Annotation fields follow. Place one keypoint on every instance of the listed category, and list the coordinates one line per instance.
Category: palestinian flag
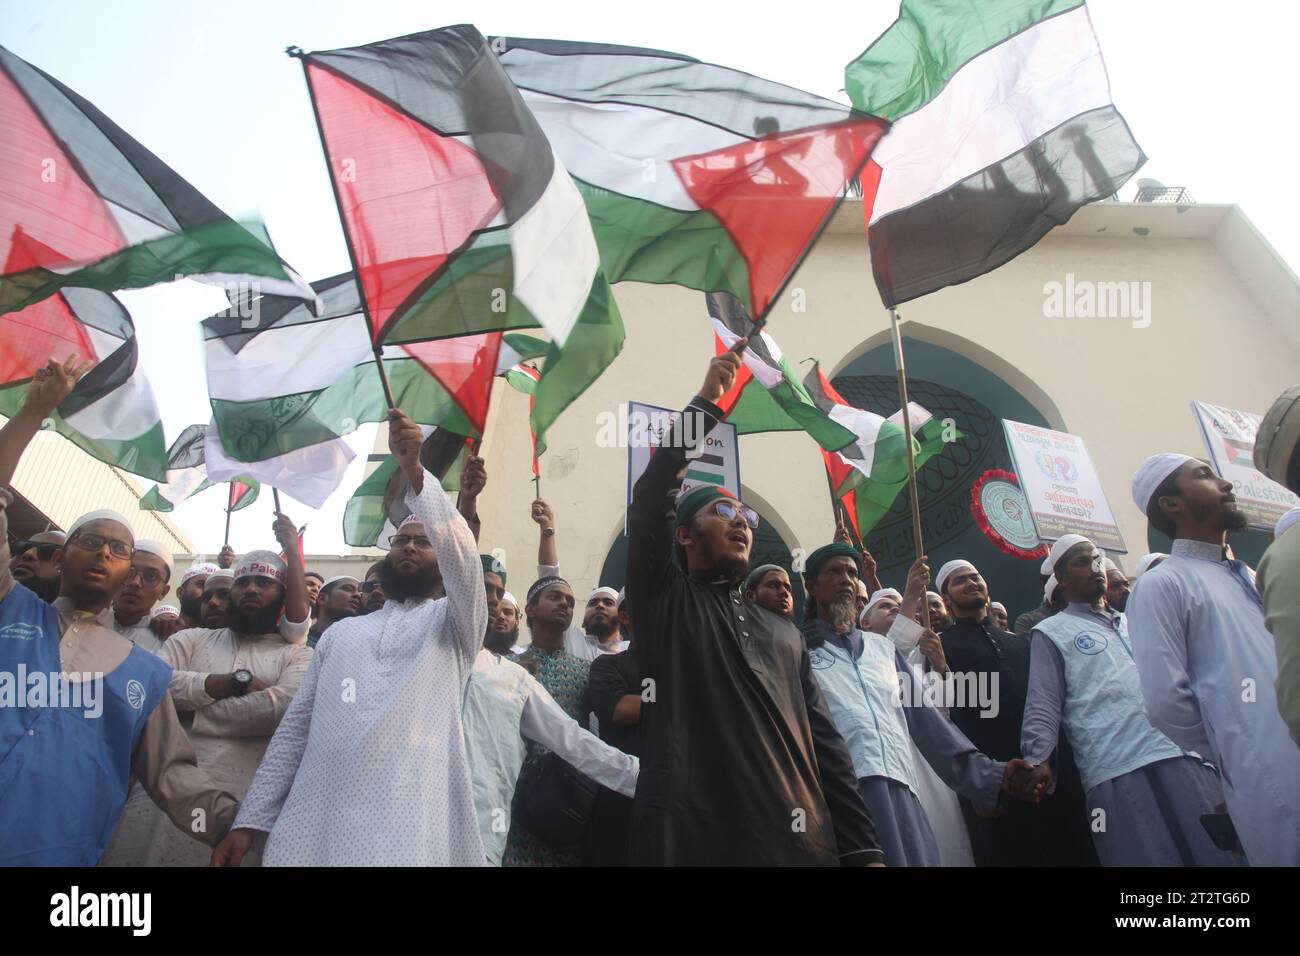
(84, 204)
(365, 525)
(868, 474)
(693, 174)
(459, 217)
(766, 395)
(187, 475)
(1003, 127)
(111, 413)
(297, 380)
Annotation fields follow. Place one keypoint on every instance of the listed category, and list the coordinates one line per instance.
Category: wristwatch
(548, 532)
(241, 680)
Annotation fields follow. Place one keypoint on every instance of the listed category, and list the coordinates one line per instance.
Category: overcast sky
(208, 88)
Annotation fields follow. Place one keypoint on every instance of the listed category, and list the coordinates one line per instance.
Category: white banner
(1229, 437)
(1061, 484)
(715, 462)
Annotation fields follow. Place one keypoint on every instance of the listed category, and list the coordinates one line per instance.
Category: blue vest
(865, 704)
(1104, 717)
(63, 775)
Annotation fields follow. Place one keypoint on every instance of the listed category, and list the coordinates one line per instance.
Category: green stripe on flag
(708, 476)
(929, 42)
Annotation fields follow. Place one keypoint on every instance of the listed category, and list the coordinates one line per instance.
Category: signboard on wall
(1229, 437)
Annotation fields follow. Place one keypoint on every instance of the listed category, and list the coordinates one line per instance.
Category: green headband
(825, 552)
(691, 502)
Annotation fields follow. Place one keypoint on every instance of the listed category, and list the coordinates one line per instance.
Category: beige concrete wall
(1225, 328)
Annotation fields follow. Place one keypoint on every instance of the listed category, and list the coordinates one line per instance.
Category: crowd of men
(281, 718)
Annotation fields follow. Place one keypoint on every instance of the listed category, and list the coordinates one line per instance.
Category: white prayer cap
(1061, 545)
(607, 592)
(195, 570)
(999, 605)
(412, 518)
(1153, 471)
(339, 577)
(951, 568)
(162, 609)
(218, 576)
(510, 598)
(1046, 566)
(1048, 589)
(876, 598)
(935, 594)
(266, 564)
(103, 514)
(1286, 521)
(1147, 560)
(157, 549)
(622, 596)
(1111, 566)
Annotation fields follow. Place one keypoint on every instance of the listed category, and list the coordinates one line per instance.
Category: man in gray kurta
(1206, 660)
(1144, 795)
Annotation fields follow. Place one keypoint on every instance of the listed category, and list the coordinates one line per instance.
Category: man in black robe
(740, 761)
(1055, 831)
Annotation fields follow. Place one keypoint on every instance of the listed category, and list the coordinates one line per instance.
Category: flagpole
(297, 53)
(911, 458)
(275, 495)
(226, 541)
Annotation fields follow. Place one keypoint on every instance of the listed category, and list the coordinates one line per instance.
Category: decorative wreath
(981, 519)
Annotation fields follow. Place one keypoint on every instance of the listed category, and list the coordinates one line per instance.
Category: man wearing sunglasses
(35, 563)
(385, 781)
(68, 767)
(740, 762)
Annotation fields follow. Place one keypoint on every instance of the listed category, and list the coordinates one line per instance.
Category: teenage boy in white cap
(147, 583)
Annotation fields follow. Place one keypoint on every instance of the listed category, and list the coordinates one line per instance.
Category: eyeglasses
(149, 576)
(727, 511)
(94, 542)
(402, 540)
(44, 550)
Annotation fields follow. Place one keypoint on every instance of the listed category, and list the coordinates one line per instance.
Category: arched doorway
(950, 385)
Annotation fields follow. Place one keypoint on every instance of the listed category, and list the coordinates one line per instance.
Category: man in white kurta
(368, 767)
(230, 732)
(1206, 660)
(504, 707)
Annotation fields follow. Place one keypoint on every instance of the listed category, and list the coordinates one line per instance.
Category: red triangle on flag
(773, 195)
(465, 366)
(410, 196)
(44, 199)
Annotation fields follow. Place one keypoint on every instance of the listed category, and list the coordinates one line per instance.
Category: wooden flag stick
(911, 458)
(226, 541)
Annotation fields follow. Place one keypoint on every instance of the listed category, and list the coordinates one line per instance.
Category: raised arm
(453, 542)
(650, 516)
(473, 479)
(49, 386)
(548, 552)
(297, 614)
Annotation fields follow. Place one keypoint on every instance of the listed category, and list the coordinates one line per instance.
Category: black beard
(418, 584)
(499, 643)
(1119, 603)
(603, 630)
(251, 622)
(1234, 520)
(192, 607)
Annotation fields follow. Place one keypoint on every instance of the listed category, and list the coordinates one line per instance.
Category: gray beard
(841, 613)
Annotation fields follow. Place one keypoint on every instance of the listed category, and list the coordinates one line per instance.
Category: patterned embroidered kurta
(565, 678)
(368, 767)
